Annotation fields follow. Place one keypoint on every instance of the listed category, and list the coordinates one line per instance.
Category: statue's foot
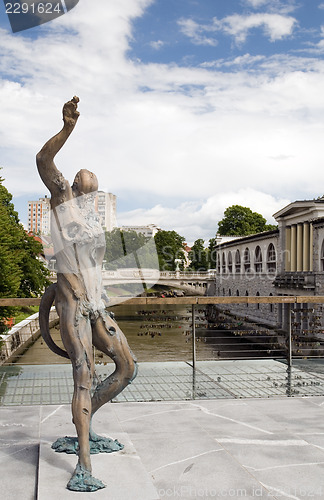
(82, 480)
(101, 444)
(66, 445)
(98, 444)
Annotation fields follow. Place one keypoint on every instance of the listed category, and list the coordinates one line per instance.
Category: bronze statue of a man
(79, 245)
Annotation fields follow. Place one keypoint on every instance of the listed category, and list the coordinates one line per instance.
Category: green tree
(212, 254)
(120, 246)
(198, 256)
(128, 249)
(241, 221)
(22, 274)
(169, 246)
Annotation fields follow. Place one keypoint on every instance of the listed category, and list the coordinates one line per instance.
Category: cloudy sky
(187, 106)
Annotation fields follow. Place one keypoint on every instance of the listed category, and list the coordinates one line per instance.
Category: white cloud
(275, 26)
(157, 44)
(195, 32)
(257, 3)
(274, 6)
(194, 219)
(321, 42)
(245, 61)
(316, 47)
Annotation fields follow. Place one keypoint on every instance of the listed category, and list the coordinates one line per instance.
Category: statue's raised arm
(50, 175)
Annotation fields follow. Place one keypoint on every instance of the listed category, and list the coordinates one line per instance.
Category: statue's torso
(79, 246)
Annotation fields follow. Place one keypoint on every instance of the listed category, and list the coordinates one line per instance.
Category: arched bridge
(185, 280)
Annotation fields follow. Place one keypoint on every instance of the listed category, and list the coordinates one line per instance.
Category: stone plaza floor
(242, 429)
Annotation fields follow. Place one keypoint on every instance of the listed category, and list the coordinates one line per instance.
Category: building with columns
(286, 261)
(301, 246)
(295, 223)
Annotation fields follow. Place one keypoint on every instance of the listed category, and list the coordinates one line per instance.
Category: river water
(154, 333)
(162, 333)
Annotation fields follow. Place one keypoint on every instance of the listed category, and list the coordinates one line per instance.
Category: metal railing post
(193, 336)
(289, 346)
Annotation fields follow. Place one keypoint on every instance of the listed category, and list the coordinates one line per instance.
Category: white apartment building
(148, 231)
(39, 216)
(105, 204)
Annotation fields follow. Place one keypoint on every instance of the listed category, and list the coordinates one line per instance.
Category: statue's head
(84, 182)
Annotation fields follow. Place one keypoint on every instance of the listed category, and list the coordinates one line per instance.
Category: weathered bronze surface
(79, 246)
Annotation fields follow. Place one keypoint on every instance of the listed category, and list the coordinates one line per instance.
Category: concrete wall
(245, 285)
(22, 335)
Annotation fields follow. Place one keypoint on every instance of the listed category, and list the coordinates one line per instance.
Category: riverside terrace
(225, 429)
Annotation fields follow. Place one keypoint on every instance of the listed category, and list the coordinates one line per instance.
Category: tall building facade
(105, 204)
(39, 216)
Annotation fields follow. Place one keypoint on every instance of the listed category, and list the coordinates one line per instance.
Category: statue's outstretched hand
(70, 113)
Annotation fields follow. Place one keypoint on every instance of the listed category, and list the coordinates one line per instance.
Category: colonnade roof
(299, 207)
(250, 237)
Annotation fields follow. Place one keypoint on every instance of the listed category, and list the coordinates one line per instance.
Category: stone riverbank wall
(19, 338)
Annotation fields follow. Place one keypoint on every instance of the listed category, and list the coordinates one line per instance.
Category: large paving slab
(19, 440)
(238, 448)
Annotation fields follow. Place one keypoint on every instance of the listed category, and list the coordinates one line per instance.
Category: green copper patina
(82, 480)
(98, 444)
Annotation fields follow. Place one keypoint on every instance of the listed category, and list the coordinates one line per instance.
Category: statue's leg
(76, 336)
(108, 338)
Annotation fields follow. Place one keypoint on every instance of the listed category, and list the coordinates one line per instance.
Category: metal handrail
(189, 300)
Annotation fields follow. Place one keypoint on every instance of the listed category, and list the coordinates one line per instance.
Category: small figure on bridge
(79, 245)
